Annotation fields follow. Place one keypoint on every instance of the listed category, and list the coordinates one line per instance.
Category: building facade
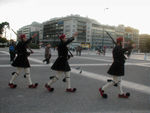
(91, 34)
(29, 30)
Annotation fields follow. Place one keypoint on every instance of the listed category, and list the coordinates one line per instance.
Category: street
(87, 98)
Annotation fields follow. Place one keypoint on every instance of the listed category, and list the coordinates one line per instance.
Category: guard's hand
(35, 34)
(133, 45)
(75, 34)
(31, 52)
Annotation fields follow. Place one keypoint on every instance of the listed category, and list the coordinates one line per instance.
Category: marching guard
(61, 65)
(21, 62)
(117, 69)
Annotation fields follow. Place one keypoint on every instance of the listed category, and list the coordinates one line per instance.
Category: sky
(133, 13)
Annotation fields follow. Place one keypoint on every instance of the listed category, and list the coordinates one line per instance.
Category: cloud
(128, 12)
(6, 2)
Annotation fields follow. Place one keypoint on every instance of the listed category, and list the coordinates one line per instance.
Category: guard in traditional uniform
(21, 61)
(117, 69)
(61, 65)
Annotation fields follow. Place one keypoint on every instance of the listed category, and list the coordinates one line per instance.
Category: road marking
(76, 65)
(127, 84)
(97, 59)
(5, 52)
(102, 64)
(32, 65)
(94, 59)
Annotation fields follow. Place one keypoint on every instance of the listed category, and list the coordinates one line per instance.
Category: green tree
(2, 25)
(145, 43)
(3, 40)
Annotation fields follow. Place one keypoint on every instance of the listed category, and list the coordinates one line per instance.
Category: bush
(3, 40)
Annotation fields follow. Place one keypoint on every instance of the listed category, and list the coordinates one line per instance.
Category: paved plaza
(87, 98)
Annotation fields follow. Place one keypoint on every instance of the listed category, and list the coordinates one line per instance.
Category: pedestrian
(61, 65)
(80, 50)
(47, 53)
(104, 50)
(21, 62)
(12, 51)
(116, 70)
(77, 51)
(98, 51)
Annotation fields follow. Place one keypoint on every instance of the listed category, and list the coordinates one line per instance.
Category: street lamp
(105, 9)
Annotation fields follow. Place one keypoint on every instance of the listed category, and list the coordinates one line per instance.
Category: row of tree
(144, 43)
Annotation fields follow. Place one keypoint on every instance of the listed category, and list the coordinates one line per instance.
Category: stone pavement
(87, 98)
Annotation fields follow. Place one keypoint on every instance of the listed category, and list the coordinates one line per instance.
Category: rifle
(111, 38)
(71, 55)
(128, 53)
